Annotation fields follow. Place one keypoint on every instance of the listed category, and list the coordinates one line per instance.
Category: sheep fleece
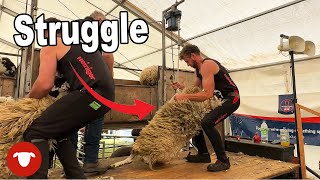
(171, 127)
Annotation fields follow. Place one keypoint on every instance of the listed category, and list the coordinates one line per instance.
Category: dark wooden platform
(242, 167)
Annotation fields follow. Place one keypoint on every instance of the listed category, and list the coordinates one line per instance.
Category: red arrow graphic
(140, 108)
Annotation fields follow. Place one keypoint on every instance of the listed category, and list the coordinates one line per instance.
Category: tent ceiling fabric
(250, 43)
(201, 17)
(247, 44)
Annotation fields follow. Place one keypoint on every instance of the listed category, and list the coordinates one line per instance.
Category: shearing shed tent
(240, 34)
(243, 35)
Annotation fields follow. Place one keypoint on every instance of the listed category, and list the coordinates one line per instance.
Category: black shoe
(43, 147)
(67, 156)
(199, 158)
(219, 166)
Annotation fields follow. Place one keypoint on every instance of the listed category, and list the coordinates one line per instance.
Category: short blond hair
(97, 14)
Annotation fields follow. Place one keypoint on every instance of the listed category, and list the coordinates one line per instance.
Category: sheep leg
(121, 163)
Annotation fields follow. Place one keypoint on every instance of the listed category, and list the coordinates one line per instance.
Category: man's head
(52, 20)
(99, 16)
(190, 54)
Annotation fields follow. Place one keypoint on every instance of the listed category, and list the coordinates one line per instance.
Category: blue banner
(247, 126)
(286, 104)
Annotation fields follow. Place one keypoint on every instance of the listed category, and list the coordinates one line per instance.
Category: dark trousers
(63, 117)
(92, 140)
(208, 123)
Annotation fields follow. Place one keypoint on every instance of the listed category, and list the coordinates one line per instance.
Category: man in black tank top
(211, 76)
(94, 129)
(74, 110)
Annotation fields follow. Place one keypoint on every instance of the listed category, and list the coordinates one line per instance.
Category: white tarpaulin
(259, 88)
(249, 43)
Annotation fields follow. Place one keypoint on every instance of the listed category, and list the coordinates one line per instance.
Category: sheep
(169, 130)
(149, 76)
(15, 117)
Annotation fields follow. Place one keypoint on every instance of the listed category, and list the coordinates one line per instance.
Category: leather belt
(84, 90)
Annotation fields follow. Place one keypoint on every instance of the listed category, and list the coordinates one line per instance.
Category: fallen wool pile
(149, 76)
(5, 99)
(15, 118)
(172, 126)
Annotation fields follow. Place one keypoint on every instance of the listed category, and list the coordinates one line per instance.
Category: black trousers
(62, 118)
(208, 123)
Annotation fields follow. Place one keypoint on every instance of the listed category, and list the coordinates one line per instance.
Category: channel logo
(24, 159)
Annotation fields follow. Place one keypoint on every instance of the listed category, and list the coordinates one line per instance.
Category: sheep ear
(15, 154)
(32, 155)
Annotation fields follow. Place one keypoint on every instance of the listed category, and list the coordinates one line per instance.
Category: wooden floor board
(242, 167)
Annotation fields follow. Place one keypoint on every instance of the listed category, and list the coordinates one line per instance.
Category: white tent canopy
(232, 39)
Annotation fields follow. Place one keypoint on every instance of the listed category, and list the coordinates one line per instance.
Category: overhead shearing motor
(173, 19)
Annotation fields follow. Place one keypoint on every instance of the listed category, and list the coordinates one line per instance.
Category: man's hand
(177, 85)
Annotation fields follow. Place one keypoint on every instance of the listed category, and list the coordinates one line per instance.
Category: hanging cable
(179, 44)
(174, 77)
(170, 17)
(173, 74)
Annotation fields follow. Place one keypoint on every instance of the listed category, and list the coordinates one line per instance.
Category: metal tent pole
(294, 101)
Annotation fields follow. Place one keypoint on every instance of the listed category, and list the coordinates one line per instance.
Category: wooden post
(309, 110)
(301, 143)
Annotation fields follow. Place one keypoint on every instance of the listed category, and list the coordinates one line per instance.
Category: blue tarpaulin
(246, 126)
